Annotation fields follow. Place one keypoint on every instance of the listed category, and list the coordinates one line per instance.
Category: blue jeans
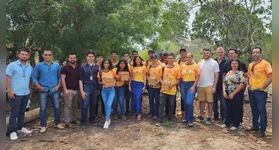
(91, 101)
(218, 95)
(119, 98)
(188, 98)
(108, 97)
(136, 96)
(17, 115)
(54, 97)
(154, 95)
(258, 105)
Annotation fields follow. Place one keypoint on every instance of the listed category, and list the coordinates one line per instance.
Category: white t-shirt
(207, 70)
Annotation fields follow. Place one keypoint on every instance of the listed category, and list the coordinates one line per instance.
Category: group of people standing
(112, 81)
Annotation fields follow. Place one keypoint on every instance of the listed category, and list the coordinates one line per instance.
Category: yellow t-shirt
(138, 73)
(156, 72)
(259, 76)
(119, 82)
(171, 74)
(106, 74)
(189, 72)
(181, 62)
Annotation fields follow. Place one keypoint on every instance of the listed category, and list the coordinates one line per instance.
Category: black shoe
(262, 134)
(200, 119)
(190, 125)
(27, 109)
(93, 122)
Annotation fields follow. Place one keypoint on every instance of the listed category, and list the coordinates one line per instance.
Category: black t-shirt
(228, 67)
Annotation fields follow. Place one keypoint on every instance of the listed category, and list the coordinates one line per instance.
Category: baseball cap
(151, 51)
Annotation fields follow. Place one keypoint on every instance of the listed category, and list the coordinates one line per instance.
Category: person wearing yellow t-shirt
(190, 74)
(114, 59)
(260, 77)
(121, 67)
(154, 77)
(137, 85)
(128, 93)
(105, 77)
(170, 78)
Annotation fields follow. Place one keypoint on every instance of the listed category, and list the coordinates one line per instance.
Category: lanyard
(91, 71)
(23, 70)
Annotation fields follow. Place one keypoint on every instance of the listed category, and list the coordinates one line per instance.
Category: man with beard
(18, 84)
(113, 58)
(70, 79)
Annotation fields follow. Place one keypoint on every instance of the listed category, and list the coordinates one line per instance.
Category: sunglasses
(47, 54)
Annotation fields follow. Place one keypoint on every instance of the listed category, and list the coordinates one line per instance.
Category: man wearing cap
(180, 62)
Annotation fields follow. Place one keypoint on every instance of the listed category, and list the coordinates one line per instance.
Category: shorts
(205, 93)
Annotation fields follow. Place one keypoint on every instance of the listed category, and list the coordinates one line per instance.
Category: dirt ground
(133, 134)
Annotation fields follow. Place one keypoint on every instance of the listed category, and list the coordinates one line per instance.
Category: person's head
(47, 55)
(23, 54)
(154, 59)
(134, 54)
(220, 52)
(170, 58)
(122, 65)
(183, 53)
(90, 56)
(162, 53)
(235, 64)
(206, 53)
(137, 61)
(99, 58)
(256, 53)
(189, 58)
(106, 64)
(113, 55)
(166, 58)
(233, 53)
(125, 56)
(151, 52)
(72, 58)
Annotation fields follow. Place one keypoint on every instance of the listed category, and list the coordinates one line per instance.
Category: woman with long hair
(137, 85)
(121, 67)
(106, 78)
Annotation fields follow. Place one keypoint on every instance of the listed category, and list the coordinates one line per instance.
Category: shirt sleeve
(216, 67)
(197, 71)
(35, 74)
(81, 73)
(10, 70)
(268, 69)
(63, 70)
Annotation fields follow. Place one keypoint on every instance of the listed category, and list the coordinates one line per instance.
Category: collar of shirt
(47, 64)
(223, 61)
(26, 65)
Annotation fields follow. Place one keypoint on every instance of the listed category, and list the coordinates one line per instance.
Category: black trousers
(170, 101)
(233, 110)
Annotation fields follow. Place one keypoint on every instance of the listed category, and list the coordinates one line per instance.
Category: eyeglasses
(47, 54)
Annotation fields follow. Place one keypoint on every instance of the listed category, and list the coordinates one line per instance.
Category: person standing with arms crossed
(70, 79)
(18, 74)
(46, 77)
(209, 71)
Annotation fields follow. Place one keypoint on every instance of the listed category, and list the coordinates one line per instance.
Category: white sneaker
(109, 121)
(233, 128)
(106, 125)
(24, 131)
(223, 126)
(13, 136)
(240, 125)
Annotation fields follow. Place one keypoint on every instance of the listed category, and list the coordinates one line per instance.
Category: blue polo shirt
(48, 76)
(20, 77)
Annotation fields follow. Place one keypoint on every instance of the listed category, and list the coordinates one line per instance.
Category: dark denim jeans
(91, 101)
(119, 98)
(258, 105)
(218, 96)
(163, 99)
(54, 97)
(17, 115)
(128, 96)
(154, 96)
(188, 98)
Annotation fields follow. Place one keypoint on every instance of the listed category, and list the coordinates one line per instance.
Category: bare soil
(133, 134)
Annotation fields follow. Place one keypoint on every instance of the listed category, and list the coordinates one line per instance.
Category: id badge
(91, 77)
